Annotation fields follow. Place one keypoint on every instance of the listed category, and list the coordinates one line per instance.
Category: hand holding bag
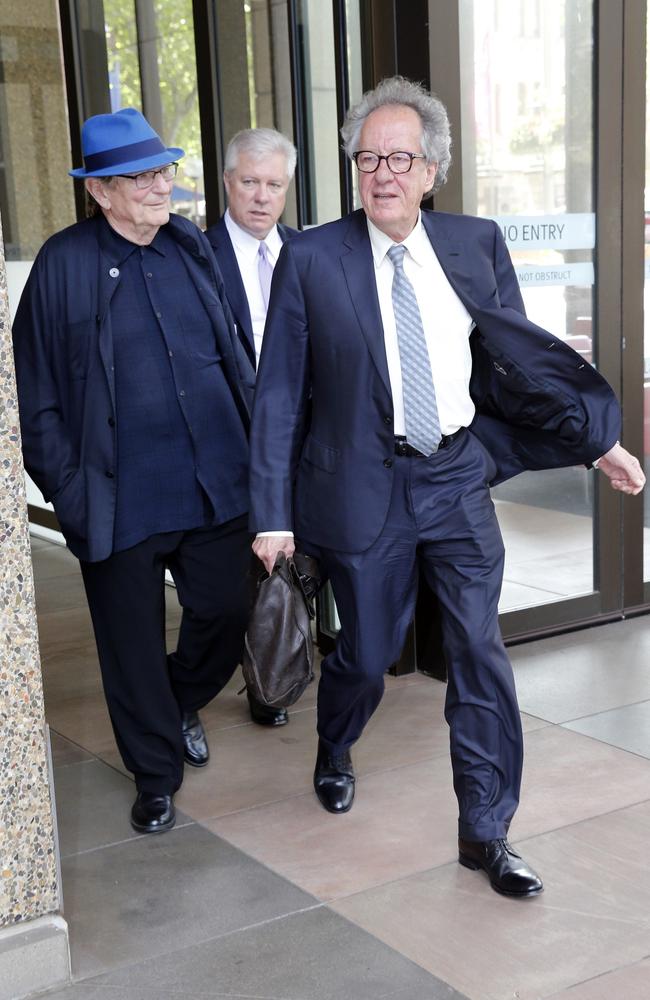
(278, 653)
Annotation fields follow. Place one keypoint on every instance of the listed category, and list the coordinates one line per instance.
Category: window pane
(36, 194)
(122, 53)
(353, 18)
(646, 328)
(255, 71)
(152, 67)
(526, 79)
(320, 115)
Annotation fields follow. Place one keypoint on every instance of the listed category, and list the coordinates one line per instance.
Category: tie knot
(263, 250)
(396, 254)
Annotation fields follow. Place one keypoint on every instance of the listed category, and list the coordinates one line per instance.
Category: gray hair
(258, 143)
(436, 138)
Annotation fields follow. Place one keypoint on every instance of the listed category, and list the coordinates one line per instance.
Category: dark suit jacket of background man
(224, 251)
(322, 433)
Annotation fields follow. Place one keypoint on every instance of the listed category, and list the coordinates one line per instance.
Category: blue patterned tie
(420, 409)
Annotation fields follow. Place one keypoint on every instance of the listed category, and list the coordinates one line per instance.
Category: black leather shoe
(152, 813)
(334, 780)
(508, 872)
(195, 744)
(265, 716)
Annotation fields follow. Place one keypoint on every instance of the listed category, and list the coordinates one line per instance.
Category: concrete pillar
(34, 952)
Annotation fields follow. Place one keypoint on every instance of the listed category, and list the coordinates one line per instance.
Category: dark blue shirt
(173, 404)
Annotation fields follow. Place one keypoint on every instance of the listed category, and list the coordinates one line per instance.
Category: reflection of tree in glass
(535, 135)
(122, 50)
(173, 38)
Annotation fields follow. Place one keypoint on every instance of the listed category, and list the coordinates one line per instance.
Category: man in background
(247, 239)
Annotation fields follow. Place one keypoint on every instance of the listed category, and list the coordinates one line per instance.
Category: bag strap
(298, 582)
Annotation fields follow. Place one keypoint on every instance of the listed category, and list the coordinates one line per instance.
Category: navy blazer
(63, 349)
(322, 429)
(224, 251)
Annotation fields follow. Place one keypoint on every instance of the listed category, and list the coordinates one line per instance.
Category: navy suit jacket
(224, 251)
(322, 429)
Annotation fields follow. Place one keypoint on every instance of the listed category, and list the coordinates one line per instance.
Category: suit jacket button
(111, 422)
(388, 420)
(109, 474)
(388, 463)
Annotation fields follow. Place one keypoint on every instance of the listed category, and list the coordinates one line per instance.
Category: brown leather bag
(278, 653)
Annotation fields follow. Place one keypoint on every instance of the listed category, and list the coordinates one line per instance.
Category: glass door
(646, 326)
(526, 71)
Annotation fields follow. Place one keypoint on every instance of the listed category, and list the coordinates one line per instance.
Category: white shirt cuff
(595, 464)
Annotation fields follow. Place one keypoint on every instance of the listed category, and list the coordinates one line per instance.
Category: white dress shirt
(446, 322)
(246, 248)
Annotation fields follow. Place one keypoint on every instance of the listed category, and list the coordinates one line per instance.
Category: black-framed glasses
(147, 177)
(399, 162)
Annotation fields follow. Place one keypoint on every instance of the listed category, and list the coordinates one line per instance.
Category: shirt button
(171, 354)
(114, 272)
(158, 315)
(388, 463)
(182, 392)
(149, 274)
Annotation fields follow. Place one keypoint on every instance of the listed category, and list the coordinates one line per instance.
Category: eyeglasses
(147, 177)
(398, 162)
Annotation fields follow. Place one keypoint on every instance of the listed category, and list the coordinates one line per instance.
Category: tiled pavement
(258, 893)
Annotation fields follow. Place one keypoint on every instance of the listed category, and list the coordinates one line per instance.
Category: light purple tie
(265, 271)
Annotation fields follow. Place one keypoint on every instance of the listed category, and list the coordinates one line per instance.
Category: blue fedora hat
(121, 143)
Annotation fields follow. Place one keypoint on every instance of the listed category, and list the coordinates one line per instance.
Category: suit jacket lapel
(453, 258)
(358, 268)
(234, 285)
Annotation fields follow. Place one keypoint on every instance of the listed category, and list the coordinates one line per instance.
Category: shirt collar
(159, 242)
(417, 242)
(119, 248)
(247, 244)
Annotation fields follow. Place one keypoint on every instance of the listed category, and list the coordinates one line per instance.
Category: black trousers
(146, 689)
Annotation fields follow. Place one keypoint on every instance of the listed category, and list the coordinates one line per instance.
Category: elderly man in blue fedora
(134, 397)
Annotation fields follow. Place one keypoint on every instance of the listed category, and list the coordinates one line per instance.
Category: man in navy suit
(247, 239)
(399, 379)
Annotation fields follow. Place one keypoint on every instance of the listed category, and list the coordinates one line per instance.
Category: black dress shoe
(195, 744)
(334, 780)
(263, 715)
(152, 813)
(508, 872)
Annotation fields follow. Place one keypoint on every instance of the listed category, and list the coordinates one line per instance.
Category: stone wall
(29, 883)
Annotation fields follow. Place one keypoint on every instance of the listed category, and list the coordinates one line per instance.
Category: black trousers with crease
(146, 689)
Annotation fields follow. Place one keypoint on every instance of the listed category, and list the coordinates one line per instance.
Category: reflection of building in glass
(526, 103)
(528, 145)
